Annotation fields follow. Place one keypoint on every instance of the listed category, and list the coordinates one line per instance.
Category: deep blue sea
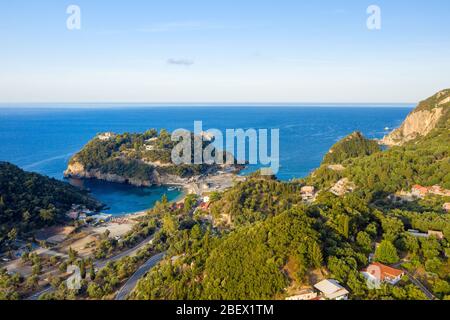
(42, 138)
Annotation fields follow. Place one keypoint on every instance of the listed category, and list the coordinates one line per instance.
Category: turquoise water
(43, 138)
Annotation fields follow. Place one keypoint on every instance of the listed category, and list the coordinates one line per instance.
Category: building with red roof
(383, 273)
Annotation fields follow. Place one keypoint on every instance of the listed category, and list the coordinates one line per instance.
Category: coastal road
(131, 283)
(100, 264)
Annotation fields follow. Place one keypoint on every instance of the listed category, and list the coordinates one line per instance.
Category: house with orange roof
(204, 206)
(419, 191)
(383, 273)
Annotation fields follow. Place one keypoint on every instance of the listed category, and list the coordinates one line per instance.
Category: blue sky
(223, 51)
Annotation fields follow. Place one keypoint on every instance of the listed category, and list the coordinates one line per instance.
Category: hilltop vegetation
(29, 201)
(353, 146)
(135, 158)
(274, 242)
(439, 100)
(424, 161)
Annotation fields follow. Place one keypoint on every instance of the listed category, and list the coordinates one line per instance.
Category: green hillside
(29, 201)
(355, 145)
(277, 243)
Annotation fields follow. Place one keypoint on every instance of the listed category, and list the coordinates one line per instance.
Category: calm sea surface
(43, 138)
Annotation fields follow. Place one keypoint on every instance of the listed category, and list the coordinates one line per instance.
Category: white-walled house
(332, 290)
(382, 273)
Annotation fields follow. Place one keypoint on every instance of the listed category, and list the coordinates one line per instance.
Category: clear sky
(223, 51)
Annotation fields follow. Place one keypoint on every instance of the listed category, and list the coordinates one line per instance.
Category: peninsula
(145, 160)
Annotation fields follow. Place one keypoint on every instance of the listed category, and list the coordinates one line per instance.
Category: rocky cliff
(77, 170)
(428, 114)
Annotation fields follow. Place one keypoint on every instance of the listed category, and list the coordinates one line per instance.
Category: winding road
(99, 265)
(132, 281)
(126, 253)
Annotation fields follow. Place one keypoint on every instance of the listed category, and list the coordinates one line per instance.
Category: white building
(332, 290)
(106, 136)
(307, 294)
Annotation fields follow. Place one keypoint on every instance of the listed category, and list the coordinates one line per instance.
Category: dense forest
(273, 243)
(29, 201)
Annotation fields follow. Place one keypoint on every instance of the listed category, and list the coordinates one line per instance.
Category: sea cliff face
(77, 170)
(421, 121)
(139, 159)
(417, 124)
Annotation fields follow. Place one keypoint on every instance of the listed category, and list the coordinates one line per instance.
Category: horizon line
(206, 104)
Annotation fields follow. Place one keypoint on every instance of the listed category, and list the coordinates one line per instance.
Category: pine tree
(386, 253)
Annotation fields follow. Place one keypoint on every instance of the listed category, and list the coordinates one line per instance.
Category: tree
(25, 257)
(47, 214)
(344, 225)
(32, 282)
(170, 224)
(364, 241)
(441, 287)
(92, 273)
(82, 266)
(37, 268)
(386, 253)
(12, 235)
(190, 202)
(196, 232)
(214, 196)
(433, 265)
(315, 254)
(73, 254)
(95, 291)
(164, 200)
(392, 228)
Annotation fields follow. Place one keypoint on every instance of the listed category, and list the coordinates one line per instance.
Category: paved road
(131, 283)
(100, 264)
(421, 286)
(36, 296)
(415, 281)
(128, 253)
